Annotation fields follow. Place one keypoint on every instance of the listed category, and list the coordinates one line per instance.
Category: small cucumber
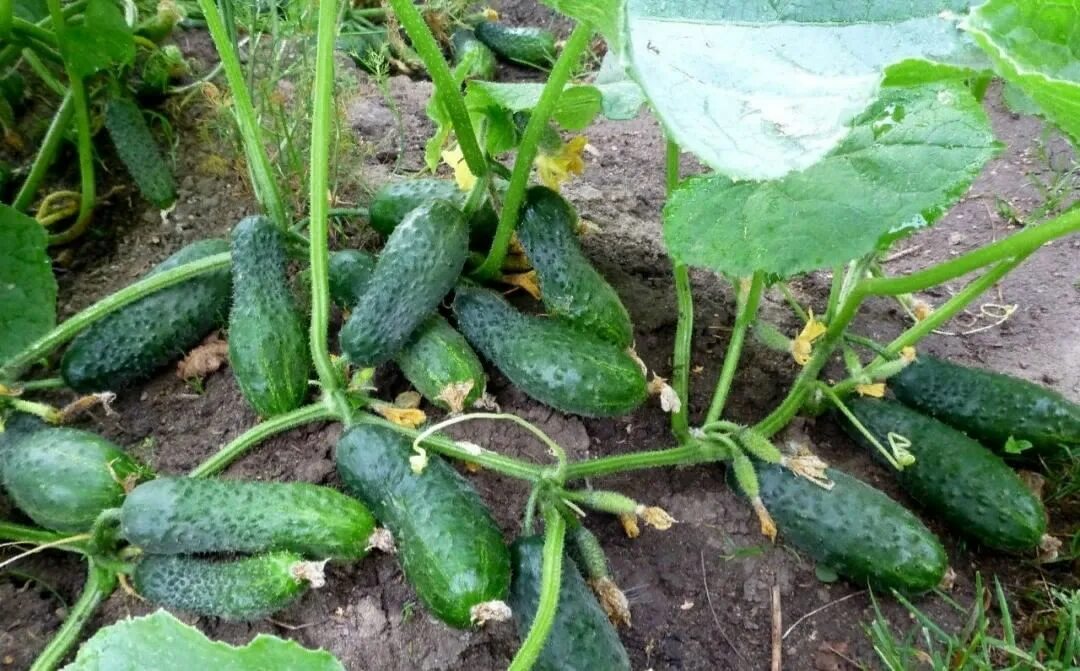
(582, 638)
(479, 58)
(350, 271)
(571, 288)
(239, 589)
(988, 406)
(138, 150)
(419, 265)
(550, 360)
(527, 45)
(394, 201)
(136, 340)
(450, 548)
(194, 516)
(268, 350)
(855, 529)
(63, 478)
(955, 477)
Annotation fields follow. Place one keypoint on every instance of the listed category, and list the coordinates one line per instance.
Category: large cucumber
(527, 45)
(133, 342)
(419, 265)
(450, 548)
(268, 350)
(855, 529)
(988, 406)
(955, 477)
(63, 478)
(395, 200)
(138, 150)
(187, 515)
(571, 288)
(550, 360)
(582, 638)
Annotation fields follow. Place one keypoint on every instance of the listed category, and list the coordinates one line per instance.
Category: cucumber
(527, 45)
(549, 360)
(350, 271)
(450, 548)
(136, 340)
(571, 288)
(268, 350)
(240, 589)
(394, 201)
(138, 150)
(955, 477)
(191, 516)
(419, 265)
(63, 478)
(480, 59)
(988, 406)
(855, 529)
(582, 638)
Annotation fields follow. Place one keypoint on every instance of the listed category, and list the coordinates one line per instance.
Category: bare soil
(700, 592)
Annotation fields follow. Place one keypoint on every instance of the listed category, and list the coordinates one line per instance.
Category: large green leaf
(161, 642)
(27, 285)
(102, 40)
(907, 158)
(759, 89)
(576, 107)
(1034, 44)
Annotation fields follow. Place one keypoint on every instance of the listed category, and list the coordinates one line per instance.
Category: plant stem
(838, 403)
(554, 448)
(550, 580)
(50, 144)
(746, 311)
(683, 455)
(33, 30)
(44, 383)
(9, 531)
(684, 329)
(100, 583)
(10, 52)
(527, 149)
(129, 294)
(231, 452)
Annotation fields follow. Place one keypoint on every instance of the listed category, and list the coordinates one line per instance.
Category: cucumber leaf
(622, 97)
(575, 109)
(27, 285)
(905, 161)
(1033, 44)
(759, 89)
(102, 40)
(604, 15)
(161, 642)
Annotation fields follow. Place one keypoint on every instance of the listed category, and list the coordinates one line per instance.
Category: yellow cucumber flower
(803, 344)
(462, 175)
(554, 169)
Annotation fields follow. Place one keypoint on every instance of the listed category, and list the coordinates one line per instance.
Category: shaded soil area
(701, 592)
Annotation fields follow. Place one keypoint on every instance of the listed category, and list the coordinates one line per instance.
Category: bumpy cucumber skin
(396, 200)
(241, 589)
(582, 638)
(17, 425)
(450, 548)
(955, 477)
(63, 478)
(268, 350)
(437, 358)
(419, 265)
(855, 529)
(572, 289)
(522, 44)
(187, 515)
(138, 150)
(465, 45)
(132, 343)
(549, 360)
(988, 406)
(350, 271)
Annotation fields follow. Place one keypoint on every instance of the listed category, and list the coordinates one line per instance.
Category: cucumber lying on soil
(571, 288)
(550, 360)
(188, 515)
(397, 199)
(481, 60)
(135, 341)
(988, 406)
(450, 548)
(138, 150)
(527, 45)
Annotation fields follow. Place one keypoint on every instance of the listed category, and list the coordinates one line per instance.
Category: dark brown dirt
(701, 591)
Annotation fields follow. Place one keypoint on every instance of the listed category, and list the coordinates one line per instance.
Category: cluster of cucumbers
(481, 41)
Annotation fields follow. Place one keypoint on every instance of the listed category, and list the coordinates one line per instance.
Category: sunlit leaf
(575, 109)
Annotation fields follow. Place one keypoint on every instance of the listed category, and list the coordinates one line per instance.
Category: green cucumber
(250, 588)
(450, 548)
(138, 150)
(527, 45)
(571, 288)
(268, 350)
(350, 271)
(479, 59)
(63, 478)
(988, 406)
(550, 360)
(395, 200)
(955, 477)
(135, 341)
(855, 529)
(582, 638)
(194, 516)
(419, 265)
